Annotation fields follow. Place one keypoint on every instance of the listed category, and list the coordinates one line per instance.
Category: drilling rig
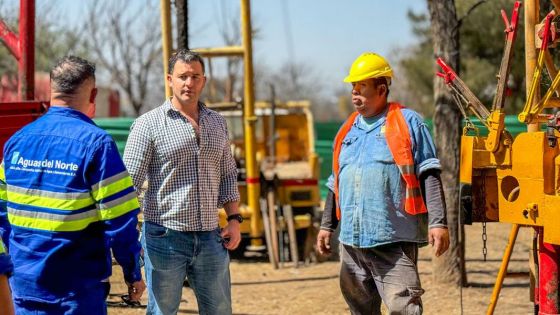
(517, 180)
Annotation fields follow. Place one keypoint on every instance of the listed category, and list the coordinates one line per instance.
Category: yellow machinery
(517, 180)
(288, 168)
(287, 165)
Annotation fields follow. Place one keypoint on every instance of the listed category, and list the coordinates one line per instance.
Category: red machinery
(15, 115)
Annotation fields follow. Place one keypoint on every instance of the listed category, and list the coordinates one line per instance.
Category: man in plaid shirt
(182, 149)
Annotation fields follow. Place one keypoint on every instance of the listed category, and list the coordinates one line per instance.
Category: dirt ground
(313, 289)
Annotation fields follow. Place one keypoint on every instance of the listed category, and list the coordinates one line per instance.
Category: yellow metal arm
(495, 128)
(531, 110)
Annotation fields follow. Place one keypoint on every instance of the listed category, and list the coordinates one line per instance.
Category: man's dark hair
(186, 56)
(70, 73)
(382, 81)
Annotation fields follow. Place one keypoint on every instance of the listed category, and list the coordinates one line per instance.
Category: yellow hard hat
(369, 65)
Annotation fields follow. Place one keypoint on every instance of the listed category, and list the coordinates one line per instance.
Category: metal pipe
(26, 62)
(249, 121)
(166, 41)
(10, 40)
(227, 51)
(503, 269)
(531, 19)
(272, 133)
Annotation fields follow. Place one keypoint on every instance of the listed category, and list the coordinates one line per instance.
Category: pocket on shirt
(382, 152)
(348, 152)
(349, 141)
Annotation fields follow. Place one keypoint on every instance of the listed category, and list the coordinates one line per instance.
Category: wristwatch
(236, 216)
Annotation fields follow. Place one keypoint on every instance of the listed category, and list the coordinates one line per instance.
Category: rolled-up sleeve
(423, 146)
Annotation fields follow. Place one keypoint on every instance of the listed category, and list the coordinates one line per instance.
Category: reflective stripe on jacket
(400, 145)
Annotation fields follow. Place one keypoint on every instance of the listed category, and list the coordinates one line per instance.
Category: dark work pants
(388, 273)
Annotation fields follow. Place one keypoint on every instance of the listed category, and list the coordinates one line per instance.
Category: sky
(326, 34)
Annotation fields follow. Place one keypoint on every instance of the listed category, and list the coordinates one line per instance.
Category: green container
(118, 128)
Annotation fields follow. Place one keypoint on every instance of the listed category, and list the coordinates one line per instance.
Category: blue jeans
(170, 256)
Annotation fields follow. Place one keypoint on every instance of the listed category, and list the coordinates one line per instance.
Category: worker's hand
(231, 235)
(324, 242)
(136, 289)
(439, 239)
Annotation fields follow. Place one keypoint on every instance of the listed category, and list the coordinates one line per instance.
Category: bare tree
(127, 44)
(230, 31)
(182, 18)
(53, 40)
(447, 131)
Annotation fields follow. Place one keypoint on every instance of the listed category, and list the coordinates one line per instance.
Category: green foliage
(482, 39)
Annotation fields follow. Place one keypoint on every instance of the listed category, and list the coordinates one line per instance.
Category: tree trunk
(448, 268)
(182, 7)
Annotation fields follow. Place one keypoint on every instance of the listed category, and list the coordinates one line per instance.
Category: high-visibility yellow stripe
(117, 211)
(49, 225)
(2, 248)
(3, 191)
(49, 202)
(2, 173)
(105, 191)
(49, 194)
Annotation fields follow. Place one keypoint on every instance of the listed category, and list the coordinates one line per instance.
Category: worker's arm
(329, 223)
(432, 190)
(118, 205)
(428, 168)
(138, 152)
(228, 177)
(6, 268)
(231, 232)
(5, 227)
(6, 303)
(229, 196)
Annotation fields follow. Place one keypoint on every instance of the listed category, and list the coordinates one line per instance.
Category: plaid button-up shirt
(187, 182)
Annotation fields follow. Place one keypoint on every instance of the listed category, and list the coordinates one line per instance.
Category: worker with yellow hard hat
(386, 192)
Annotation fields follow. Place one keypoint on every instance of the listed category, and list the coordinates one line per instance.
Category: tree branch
(469, 11)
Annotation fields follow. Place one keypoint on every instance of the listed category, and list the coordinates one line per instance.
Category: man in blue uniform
(66, 200)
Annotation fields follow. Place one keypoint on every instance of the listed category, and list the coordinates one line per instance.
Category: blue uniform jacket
(66, 199)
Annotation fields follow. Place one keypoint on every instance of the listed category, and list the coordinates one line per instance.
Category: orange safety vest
(398, 140)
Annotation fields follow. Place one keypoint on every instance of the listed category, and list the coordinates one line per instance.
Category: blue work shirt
(66, 200)
(371, 188)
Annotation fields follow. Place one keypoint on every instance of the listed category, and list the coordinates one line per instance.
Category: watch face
(236, 217)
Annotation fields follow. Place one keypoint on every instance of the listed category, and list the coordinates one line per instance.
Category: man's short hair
(70, 73)
(382, 81)
(186, 56)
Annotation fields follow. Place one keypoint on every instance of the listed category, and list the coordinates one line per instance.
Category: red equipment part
(22, 48)
(15, 115)
(548, 299)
